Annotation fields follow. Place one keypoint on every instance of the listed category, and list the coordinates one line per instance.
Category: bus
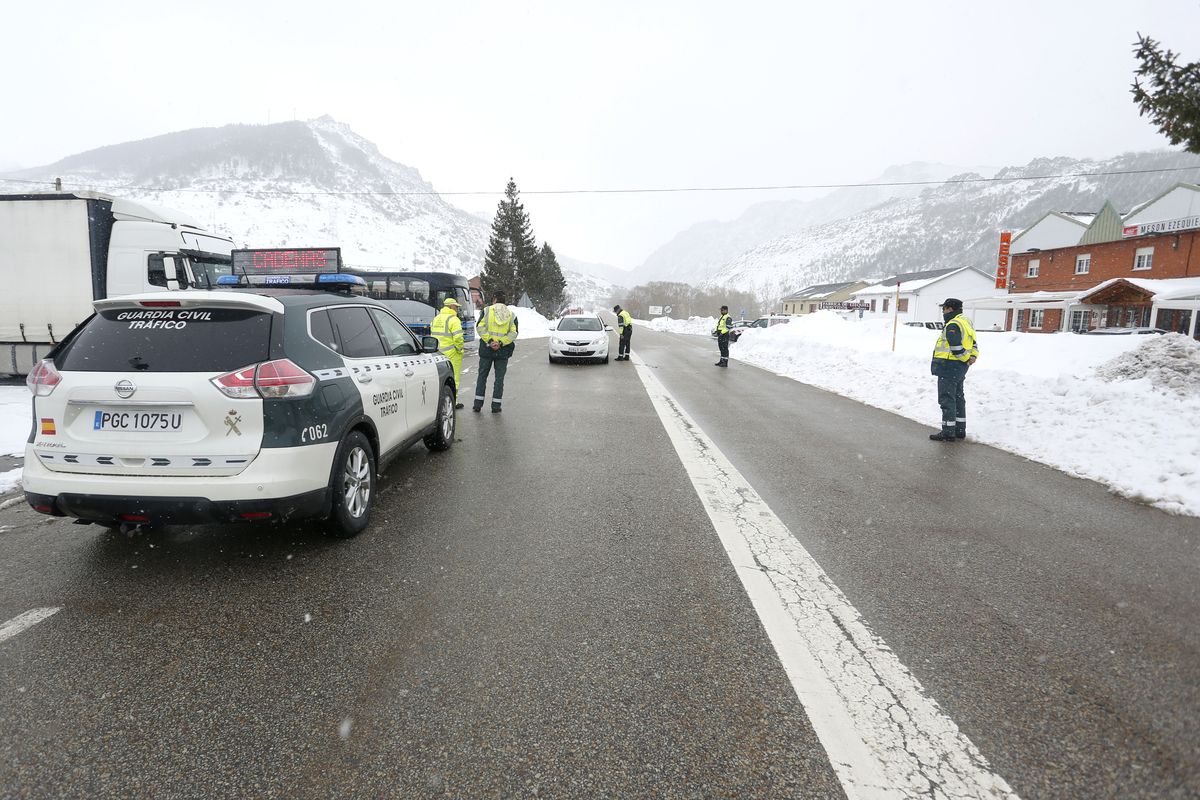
(416, 297)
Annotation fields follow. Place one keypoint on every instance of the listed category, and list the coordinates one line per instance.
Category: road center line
(885, 737)
(23, 621)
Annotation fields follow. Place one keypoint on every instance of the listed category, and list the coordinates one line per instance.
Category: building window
(885, 304)
(1035, 266)
(1081, 321)
(1083, 264)
(1036, 316)
(872, 306)
(902, 305)
(1144, 258)
(812, 307)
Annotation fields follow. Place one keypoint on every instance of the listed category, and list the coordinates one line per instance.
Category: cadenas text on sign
(1002, 261)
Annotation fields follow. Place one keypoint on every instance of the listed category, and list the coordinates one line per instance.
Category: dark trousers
(487, 359)
(623, 343)
(723, 345)
(953, 403)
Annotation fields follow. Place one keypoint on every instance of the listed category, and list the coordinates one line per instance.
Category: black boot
(960, 430)
(944, 435)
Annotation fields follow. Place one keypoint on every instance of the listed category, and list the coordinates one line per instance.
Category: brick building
(1139, 270)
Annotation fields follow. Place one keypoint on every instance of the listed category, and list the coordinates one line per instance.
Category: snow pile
(531, 324)
(701, 326)
(1171, 362)
(14, 419)
(14, 430)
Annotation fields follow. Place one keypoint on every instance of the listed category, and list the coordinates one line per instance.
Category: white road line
(23, 621)
(885, 737)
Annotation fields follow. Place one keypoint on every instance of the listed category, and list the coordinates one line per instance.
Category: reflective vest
(724, 324)
(969, 349)
(624, 320)
(447, 327)
(498, 324)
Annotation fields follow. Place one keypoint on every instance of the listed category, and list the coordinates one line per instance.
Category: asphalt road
(545, 610)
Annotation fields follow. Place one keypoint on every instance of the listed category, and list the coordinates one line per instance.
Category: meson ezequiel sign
(1162, 226)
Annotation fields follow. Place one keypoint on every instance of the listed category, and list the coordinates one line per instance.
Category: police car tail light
(238, 384)
(42, 380)
(282, 378)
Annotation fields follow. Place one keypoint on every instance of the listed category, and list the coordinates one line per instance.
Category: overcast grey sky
(572, 95)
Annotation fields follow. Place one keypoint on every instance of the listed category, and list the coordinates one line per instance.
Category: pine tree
(512, 256)
(1172, 100)
(551, 285)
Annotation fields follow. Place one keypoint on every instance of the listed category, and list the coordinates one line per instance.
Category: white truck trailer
(61, 251)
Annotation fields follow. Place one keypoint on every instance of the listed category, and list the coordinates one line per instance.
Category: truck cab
(62, 251)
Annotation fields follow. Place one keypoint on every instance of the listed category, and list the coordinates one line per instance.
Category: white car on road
(579, 337)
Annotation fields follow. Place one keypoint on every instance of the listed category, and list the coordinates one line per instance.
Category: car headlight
(554, 340)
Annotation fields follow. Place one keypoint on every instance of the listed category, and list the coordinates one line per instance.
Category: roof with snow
(915, 281)
(820, 291)
(1159, 288)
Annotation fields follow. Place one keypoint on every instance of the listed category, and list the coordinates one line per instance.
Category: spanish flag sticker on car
(48, 427)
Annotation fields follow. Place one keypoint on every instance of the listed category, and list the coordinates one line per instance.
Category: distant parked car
(933, 326)
(737, 328)
(769, 322)
(1124, 331)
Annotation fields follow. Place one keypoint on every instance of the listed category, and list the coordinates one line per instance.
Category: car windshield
(580, 324)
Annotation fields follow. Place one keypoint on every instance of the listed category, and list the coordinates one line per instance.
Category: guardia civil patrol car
(219, 406)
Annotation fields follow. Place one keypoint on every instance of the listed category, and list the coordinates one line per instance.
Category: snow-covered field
(1120, 410)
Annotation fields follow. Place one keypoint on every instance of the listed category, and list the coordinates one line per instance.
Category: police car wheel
(443, 434)
(353, 486)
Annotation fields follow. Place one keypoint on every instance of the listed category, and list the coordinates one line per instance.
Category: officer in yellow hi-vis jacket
(447, 327)
(956, 350)
(497, 329)
(624, 332)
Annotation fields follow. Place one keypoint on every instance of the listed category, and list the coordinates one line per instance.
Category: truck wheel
(443, 432)
(353, 486)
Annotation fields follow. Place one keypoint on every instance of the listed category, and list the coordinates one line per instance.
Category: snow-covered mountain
(291, 183)
(692, 255)
(950, 225)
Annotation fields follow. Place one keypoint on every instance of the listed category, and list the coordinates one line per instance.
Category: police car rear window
(169, 340)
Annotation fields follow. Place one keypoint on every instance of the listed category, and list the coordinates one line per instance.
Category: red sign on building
(1002, 261)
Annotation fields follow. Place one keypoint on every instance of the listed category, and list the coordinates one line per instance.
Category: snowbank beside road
(701, 326)
(14, 430)
(1055, 398)
(15, 410)
(530, 324)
